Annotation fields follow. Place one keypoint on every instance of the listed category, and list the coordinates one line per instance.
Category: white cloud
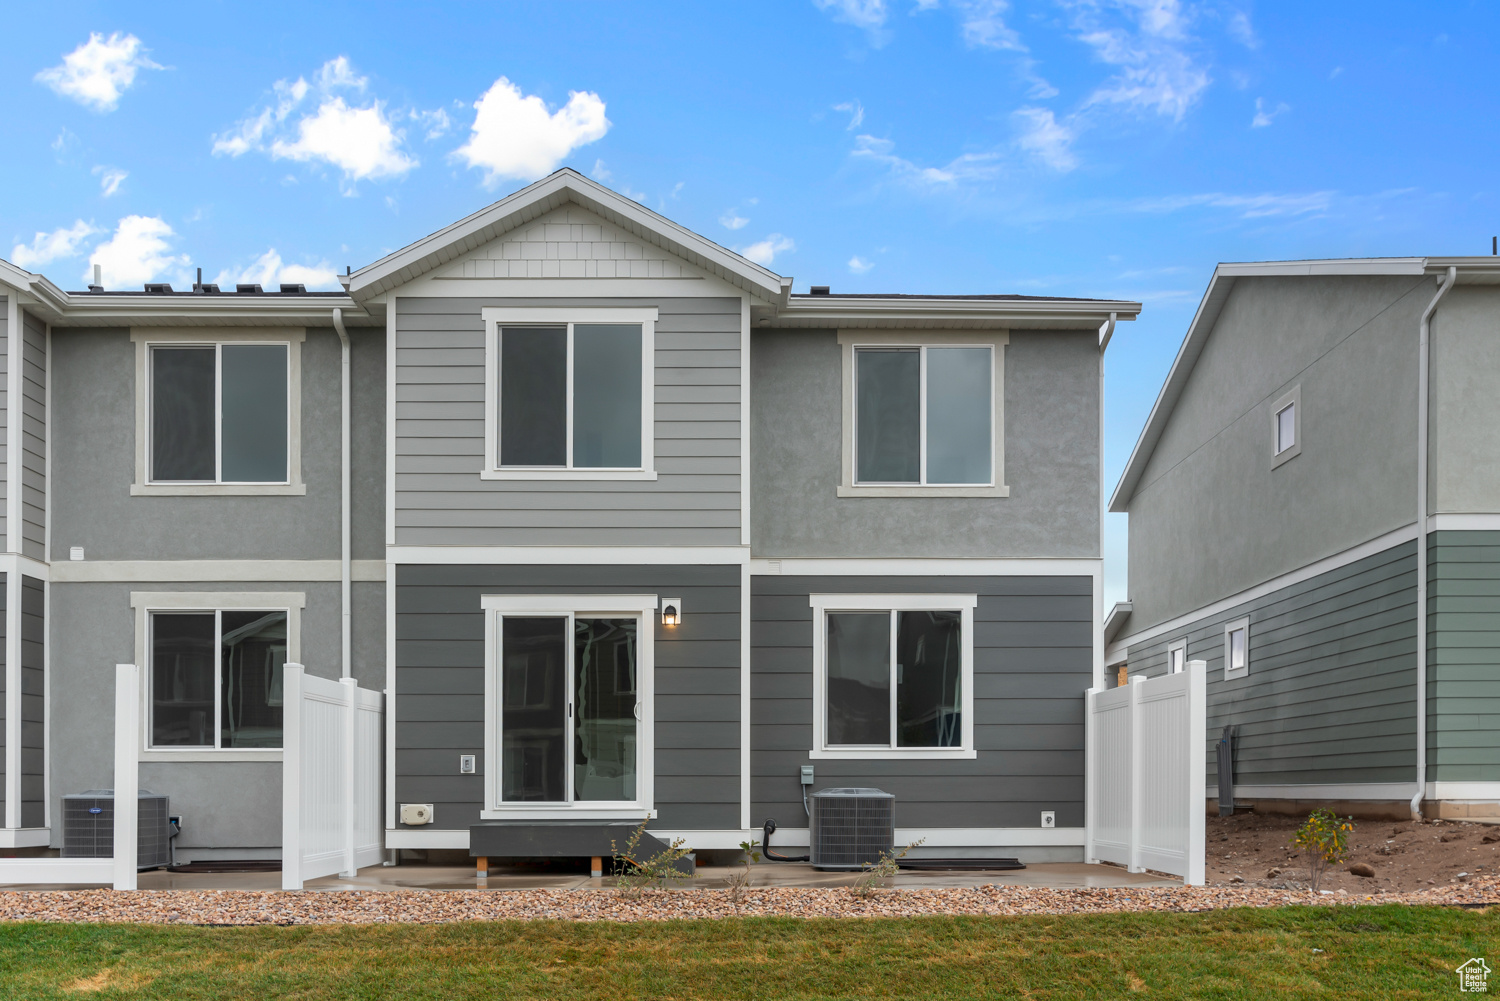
(1263, 117)
(601, 173)
(855, 111)
(858, 265)
(1241, 30)
(764, 252)
(968, 167)
(269, 271)
(868, 15)
(983, 25)
(138, 252)
(1046, 138)
(110, 179)
(733, 220)
(65, 141)
(97, 72)
(359, 140)
(1248, 206)
(514, 136)
(1148, 43)
(54, 246)
(435, 123)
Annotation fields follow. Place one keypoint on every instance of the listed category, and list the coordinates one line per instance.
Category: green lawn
(1367, 952)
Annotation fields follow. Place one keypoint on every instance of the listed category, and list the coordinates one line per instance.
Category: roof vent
(820, 290)
(293, 288)
(248, 289)
(208, 287)
(96, 288)
(159, 288)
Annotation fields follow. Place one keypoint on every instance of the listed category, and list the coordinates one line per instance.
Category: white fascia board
(1116, 619)
(84, 310)
(569, 555)
(920, 567)
(543, 196)
(853, 312)
(1331, 266)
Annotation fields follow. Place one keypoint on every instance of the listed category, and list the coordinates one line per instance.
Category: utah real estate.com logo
(1474, 976)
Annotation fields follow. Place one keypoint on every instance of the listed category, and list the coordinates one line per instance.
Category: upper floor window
(1177, 656)
(569, 393)
(1237, 648)
(219, 413)
(922, 414)
(1286, 427)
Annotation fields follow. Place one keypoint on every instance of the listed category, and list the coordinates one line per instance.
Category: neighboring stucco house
(629, 529)
(1315, 511)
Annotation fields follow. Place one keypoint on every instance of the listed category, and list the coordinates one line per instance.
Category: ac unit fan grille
(850, 828)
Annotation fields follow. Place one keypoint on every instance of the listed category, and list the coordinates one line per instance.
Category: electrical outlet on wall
(466, 764)
(1049, 818)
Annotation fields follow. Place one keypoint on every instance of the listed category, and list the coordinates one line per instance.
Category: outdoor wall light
(671, 611)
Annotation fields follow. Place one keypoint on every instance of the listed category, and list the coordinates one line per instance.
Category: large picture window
(893, 675)
(218, 413)
(569, 393)
(922, 414)
(568, 716)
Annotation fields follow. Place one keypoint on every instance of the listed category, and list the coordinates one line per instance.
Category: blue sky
(1113, 148)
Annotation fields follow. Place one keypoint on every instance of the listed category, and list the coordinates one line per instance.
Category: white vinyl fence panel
(119, 871)
(1146, 772)
(331, 778)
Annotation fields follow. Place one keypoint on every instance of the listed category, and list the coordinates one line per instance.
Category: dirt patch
(1403, 856)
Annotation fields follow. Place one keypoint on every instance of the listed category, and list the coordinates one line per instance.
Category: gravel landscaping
(241, 907)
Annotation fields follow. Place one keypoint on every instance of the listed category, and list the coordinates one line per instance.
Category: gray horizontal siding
(33, 709)
(440, 499)
(439, 706)
(34, 438)
(1463, 656)
(4, 676)
(1330, 696)
(1033, 658)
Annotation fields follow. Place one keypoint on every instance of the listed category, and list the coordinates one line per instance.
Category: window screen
(182, 414)
(859, 678)
(889, 422)
(253, 402)
(534, 396)
(959, 415)
(607, 395)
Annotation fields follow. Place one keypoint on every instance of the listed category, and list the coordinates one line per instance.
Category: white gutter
(344, 421)
(1424, 353)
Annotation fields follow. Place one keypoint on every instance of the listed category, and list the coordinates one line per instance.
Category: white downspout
(1105, 333)
(344, 421)
(1424, 353)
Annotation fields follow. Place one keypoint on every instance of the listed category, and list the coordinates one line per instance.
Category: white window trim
(1293, 398)
(1173, 647)
(994, 339)
(822, 604)
(1229, 627)
(643, 605)
(145, 338)
(146, 602)
(497, 316)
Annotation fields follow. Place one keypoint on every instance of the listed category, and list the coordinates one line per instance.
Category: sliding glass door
(569, 719)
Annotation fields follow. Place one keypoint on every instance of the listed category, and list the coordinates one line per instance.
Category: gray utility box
(850, 828)
(89, 827)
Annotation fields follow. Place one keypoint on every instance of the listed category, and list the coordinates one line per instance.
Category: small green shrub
(739, 882)
(888, 865)
(1324, 836)
(635, 874)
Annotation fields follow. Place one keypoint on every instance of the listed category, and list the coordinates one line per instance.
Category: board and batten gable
(584, 262)
(1210, 516)
(1051, 458)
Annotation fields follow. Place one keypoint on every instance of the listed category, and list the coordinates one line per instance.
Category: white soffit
(535, 200)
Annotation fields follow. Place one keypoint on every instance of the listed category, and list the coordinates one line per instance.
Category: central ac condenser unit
(89, 827)
(850, 828)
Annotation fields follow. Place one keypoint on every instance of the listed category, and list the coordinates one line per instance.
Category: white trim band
(792, 837)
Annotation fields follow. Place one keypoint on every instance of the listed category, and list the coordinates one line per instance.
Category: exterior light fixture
(671, 611)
